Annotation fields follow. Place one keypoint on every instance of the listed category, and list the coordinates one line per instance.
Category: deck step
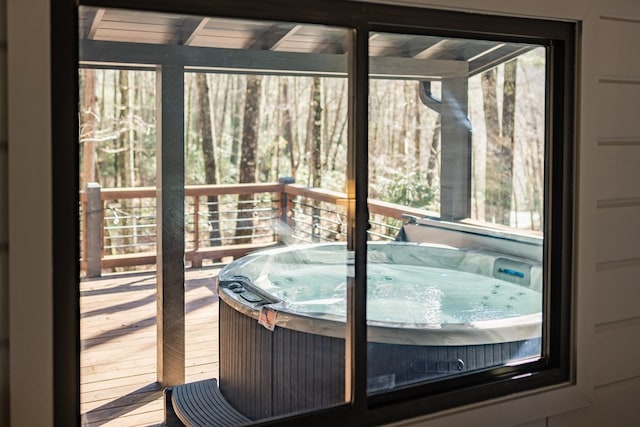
(200, 404)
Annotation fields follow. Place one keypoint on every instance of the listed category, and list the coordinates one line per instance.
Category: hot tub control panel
(513, 271)
(248, 296)
(242, 290)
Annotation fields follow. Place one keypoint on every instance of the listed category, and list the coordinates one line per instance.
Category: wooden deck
(118, 333)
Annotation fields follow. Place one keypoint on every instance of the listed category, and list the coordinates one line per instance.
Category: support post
(93, 230)
(170, 224)
(455, 181)
(196, 260)
(196, 222)
(286, 225)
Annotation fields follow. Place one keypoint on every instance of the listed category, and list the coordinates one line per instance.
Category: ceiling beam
(412, 48)
(93, 18)
(273, 37)
(336, 46)
(139, 55)
(188, 30)
(496, 57)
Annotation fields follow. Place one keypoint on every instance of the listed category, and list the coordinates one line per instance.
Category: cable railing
(119, 227)
(215, 223)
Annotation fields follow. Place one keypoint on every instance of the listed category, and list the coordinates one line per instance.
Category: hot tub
(432, 310)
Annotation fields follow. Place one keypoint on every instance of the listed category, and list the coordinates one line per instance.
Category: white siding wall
(608, 241)
(617, 191)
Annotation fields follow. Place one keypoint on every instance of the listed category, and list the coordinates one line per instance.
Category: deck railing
(118, 226)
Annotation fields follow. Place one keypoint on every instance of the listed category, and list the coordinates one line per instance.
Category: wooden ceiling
(135, 37)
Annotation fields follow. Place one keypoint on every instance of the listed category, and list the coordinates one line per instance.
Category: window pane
(282, 309)
(456, 149)
(258, 113)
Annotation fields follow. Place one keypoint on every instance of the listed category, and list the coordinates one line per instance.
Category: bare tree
(314, 133)
(205, 134)
(434, 154)
(88, 127)
(314, 148)
(244, 224)
(500, 143)
(123, 139)
(287, 127)
(235, 119)
(507, 134)
(418, 136)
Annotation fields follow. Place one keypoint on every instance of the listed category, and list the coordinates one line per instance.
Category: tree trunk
(417, 137)
(500, 142)
(264, 158)
(315, 144)
(244, 224)
(508, 139)
(287, 128)
(432, 164)
(509, 101)
(235, 122)
(122, 151)
(494, 147)
(88, 128)
(223, 114)
(225, 105)
(205, 134)
(404, 132)
(334, 127)
(123, 139)
(132, 137)
(315, 134)
(337, 145)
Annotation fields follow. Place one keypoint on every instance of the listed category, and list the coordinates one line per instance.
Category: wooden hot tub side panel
(391, 365)
(265, 374)
(245, 363)
(308, 371)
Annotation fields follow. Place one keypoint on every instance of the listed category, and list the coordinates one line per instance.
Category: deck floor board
(118, 339)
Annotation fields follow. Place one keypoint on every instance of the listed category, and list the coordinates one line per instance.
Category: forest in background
(251, 128)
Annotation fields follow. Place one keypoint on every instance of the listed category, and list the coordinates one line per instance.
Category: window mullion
(357, 188)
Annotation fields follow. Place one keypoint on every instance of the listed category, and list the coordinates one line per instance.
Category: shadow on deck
(118, 340)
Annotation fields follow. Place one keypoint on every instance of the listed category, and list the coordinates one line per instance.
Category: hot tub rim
(510, 329)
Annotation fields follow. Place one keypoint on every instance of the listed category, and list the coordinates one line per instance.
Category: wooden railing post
(93, 227)
(196, 259)
(196, 223)
(285, 219)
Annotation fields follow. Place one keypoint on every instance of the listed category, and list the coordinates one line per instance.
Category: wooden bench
(200, 404)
